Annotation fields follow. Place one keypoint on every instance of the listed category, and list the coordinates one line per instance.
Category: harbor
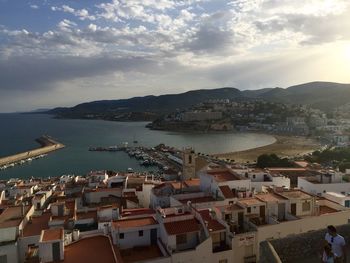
(48, 145)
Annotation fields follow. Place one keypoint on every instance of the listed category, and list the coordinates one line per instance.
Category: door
(154, 236)
(293, 209)
(240, 220)
(262, 212)
(56, 251)
(281, 211)
(60, 210)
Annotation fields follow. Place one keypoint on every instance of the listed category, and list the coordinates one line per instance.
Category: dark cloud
(30, 73)
(209, 39)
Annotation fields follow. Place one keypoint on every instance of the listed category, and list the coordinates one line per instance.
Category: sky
(61, 53)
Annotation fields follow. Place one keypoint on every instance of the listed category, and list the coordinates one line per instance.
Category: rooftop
(136, 222)
(137, 212)
(52, 234)
(295, 194)
(86, 215)
(230, 208)
(223, 176)
(90, 250)
(137, 254)
(226, 191)
(36, 225)
(13, 215)
(194, 200)
(181, 227)
(269, 197)
(213, 224)
(192, 182)
(250, 201)
(327, 210)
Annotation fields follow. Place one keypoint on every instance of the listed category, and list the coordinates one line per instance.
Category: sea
(19, 131)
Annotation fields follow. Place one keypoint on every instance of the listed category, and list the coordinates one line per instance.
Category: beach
(284, 146)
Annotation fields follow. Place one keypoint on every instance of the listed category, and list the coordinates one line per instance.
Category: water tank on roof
(76, 234)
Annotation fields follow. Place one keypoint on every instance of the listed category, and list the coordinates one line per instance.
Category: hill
(322, 95)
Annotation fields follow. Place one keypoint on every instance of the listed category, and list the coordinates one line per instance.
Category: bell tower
(188, 163)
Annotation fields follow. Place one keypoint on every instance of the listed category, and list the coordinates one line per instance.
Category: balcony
(220, 246)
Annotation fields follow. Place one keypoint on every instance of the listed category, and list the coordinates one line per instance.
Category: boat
(130, 170)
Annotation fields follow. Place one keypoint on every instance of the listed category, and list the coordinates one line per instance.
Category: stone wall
(268, 253)
(305, 247)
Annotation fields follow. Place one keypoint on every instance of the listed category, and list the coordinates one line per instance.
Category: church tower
(189, 163)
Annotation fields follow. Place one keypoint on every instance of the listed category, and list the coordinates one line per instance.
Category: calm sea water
(18, 133)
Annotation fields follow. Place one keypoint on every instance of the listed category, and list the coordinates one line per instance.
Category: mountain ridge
(322, 95)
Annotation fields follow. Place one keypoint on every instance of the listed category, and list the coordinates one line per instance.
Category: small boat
(130, 170)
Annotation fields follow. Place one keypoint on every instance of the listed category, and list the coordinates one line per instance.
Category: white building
(324, 182)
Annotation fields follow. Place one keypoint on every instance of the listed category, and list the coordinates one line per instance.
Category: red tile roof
(90, 250)
(138, 254)
(224, 176)
(87, 215)
(37, 224)
(181, 227)
(137, 222)
(137, 212)
(52, 234)
(213, 224)
(226, 191)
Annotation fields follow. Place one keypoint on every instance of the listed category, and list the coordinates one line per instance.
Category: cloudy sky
(60, 53)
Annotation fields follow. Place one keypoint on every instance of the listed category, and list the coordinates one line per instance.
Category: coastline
(284, 146)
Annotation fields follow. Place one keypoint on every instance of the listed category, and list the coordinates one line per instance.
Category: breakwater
(48, 145)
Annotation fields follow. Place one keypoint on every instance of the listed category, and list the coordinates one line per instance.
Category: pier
(47, 145)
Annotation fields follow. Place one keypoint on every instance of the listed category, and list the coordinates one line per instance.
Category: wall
(132, 238)
(23, 243)
(320, 188)
(11, 251)
(268, 254)
(244, 245)
(8, 234)
(299, 247)
(144, 196)
(45, 251)
(270, 232)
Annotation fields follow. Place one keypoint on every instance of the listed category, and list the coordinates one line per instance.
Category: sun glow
(347, 52)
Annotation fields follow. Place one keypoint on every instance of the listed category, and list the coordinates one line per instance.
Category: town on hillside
(261, 116)
(196, 209)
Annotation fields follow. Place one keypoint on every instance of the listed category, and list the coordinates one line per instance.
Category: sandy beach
(284, 146)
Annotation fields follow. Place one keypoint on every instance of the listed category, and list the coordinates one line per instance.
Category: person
(328, 256)
(337, 243)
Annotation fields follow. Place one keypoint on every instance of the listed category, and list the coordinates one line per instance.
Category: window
(181, 239)
(249, 210)
(254, 176)
(306, 206)
(121, 235)
(190, 159)
(141, 233)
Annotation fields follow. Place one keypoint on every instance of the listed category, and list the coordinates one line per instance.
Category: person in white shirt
(337, 242)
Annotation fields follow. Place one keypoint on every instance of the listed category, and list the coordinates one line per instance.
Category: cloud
(82, 14)
(34, 6)
(157, 46)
